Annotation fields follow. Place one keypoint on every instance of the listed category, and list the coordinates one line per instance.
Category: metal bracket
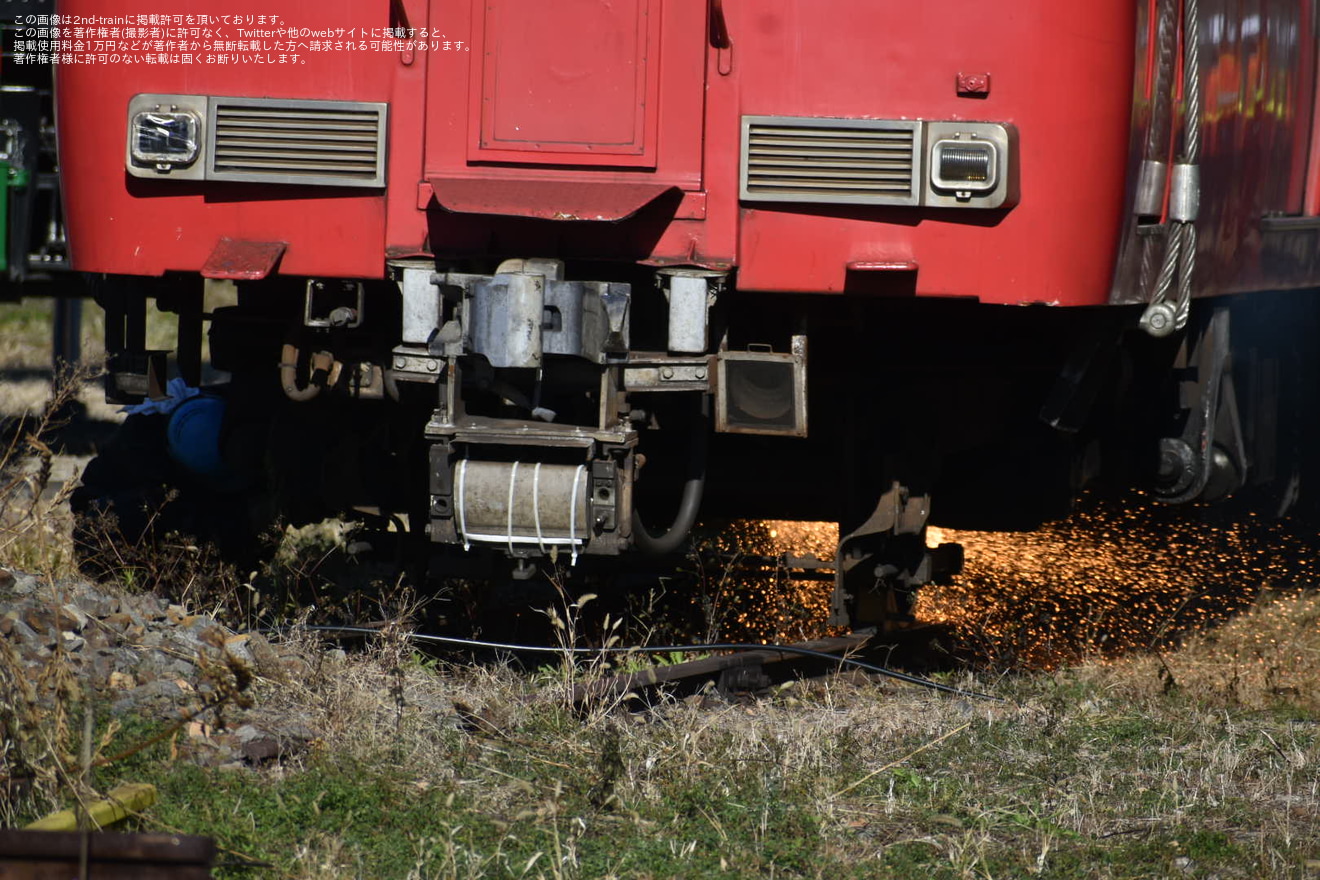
(411, 364)
(336, 303)
(760, 391)
(659, 372)
(882, 556)
(1207, 461)
(136, 375)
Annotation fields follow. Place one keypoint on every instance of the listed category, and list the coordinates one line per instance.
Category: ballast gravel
(138, 654)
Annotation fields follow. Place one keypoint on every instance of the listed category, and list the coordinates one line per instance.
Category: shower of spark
(1112, 578)
(743, 599)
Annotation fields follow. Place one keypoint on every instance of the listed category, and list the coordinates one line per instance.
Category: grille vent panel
(329, 143)
(831, 161)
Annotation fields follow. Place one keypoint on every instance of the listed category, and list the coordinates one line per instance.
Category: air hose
(689, 504)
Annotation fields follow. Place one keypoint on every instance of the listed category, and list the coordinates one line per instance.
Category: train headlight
(971, 165)
(964, 165)
(161, 137)
(166, 136)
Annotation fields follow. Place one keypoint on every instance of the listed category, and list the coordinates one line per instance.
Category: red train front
(512, 274)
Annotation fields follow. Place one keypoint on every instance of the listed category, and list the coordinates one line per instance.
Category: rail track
(731, 668)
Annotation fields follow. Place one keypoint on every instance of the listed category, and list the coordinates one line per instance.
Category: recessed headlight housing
(167, 136)
(971, 165)
(257, 140)
(164, 137)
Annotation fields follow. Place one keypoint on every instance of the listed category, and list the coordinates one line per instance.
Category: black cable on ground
(455, 642)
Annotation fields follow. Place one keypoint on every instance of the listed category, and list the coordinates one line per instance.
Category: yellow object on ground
(122, 802)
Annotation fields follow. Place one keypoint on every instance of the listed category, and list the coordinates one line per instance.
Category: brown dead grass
(1265, 660)
(1083, 760)
(1203, 758)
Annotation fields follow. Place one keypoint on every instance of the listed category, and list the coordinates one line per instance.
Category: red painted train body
(596, 115)
(487, 259)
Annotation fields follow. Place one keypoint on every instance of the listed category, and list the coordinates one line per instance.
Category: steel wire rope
(1191, 152)
(1179, 262)
(1160, 129)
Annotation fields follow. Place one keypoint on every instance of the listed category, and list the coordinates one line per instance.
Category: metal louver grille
(832, 161)
(333, 143)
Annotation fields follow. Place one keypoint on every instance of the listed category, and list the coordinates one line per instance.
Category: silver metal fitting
(419, 285)
(1159, 319)
(333, 303)
(1185, 193)
(1150, 188)
(691, 293)
(507, 314)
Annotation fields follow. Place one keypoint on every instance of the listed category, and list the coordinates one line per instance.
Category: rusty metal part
(763, 392)
(54, 855)
(545, 199)
(411, 363)
(364, 381)
(534, 506)
(836, 651)
(657, 371)
(797, 568)
(1208, 460)
(243, 260)
(708, 667)
(884, 555)
(334, 303)
(135, 375)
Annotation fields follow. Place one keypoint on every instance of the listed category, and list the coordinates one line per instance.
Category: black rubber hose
(689, 505)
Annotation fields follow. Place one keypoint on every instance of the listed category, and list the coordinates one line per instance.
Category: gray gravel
(144, 656)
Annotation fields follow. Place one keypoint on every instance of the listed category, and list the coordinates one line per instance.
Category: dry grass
(25, 332)
(39, 732)
(1097, 771)
(25, 359)
(1198, 762)
(25, 356)
(1259, 661)
(35, 523)
(1103, 770)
